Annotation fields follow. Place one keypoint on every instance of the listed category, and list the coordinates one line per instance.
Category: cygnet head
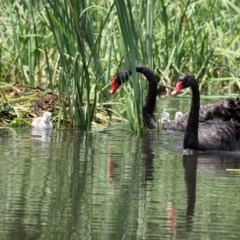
(47, 116)
(178, 115)
(165, 117)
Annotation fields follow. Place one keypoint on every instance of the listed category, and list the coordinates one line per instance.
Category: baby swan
(178, 115)
(165, 117)
(43, 122)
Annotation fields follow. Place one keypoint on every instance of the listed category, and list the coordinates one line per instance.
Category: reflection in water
(148, 154)
(112, 166)
(6, 132)
(22, 191)
(147, 157)
(43, 135)
(217, 161)
(190, 170)
(113, 186)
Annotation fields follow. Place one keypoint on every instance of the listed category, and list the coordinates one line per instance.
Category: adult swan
(215, 134)
(147, 113)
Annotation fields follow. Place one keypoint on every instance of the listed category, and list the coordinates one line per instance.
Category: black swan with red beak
(214, 134)
(147, 113)
(227, 109)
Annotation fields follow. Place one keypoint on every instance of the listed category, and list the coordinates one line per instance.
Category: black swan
(226, 110)
(147, 113)
(215, 134)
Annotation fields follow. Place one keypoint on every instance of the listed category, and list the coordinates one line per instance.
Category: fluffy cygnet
(165, 117)
(178, 115)
(43, 122)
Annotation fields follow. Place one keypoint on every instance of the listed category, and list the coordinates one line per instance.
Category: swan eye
(114, 85)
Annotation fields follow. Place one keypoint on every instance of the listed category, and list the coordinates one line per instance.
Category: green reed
(73, 48)
(129, 41)
(23, 40)
(74, 25)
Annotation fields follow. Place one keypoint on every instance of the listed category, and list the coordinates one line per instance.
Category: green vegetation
(72, 48)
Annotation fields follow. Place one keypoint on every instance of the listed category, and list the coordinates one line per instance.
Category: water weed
(71, 50)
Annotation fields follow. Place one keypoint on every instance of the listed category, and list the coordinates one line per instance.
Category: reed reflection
(148, 155)
(144, 149)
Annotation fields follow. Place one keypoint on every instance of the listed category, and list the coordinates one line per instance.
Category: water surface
(114, 185)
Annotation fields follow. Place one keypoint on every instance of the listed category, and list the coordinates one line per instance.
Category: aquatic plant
(72, 48)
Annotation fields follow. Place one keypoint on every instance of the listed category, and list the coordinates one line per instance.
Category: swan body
(226, 110)
(213, 134)
(43, 122)
(148, 109)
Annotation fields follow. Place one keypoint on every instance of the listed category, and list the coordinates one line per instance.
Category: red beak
(114, 85)
(177, 88)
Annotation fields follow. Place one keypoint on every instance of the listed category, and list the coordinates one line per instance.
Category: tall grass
(23, 40)
(73, 25)
(73, 48)
(129, 41)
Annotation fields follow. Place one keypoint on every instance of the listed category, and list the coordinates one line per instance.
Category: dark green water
(72, 185)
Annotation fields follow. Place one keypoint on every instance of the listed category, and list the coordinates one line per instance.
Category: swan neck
(191, 134)
(149, 106)
(195, 104)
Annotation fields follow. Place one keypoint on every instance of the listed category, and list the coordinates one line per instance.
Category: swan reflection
(219, 162)
(43, 135)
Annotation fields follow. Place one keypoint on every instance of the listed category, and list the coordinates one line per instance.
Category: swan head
(47, 116)
(178, 115)
(118, 79)
(183, 82)
(165, 117)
